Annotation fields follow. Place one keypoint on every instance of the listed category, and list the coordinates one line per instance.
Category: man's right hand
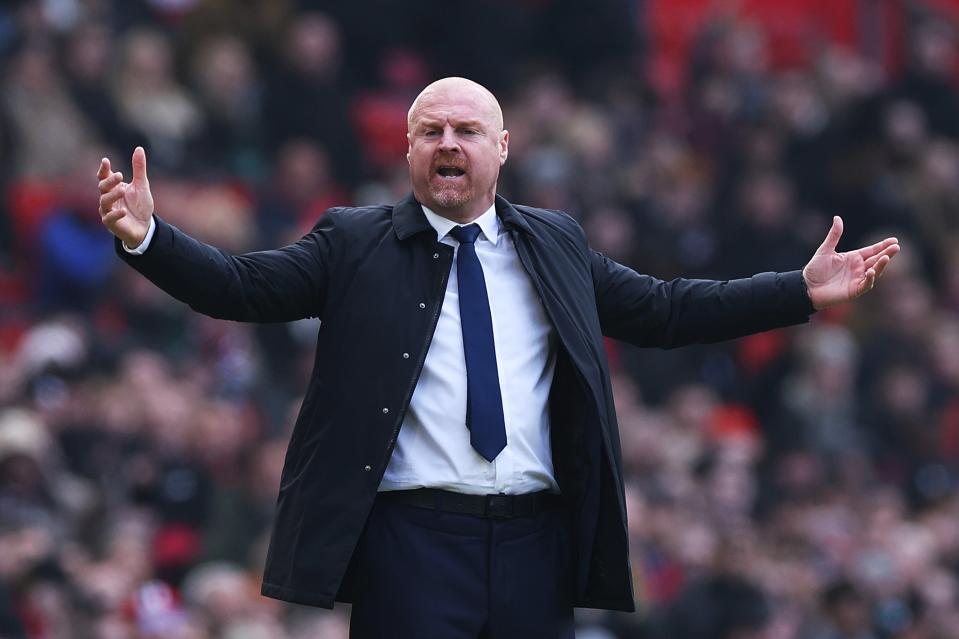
(126, 207)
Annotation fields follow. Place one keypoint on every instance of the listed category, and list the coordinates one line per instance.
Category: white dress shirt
(145, 244)
(433, 448)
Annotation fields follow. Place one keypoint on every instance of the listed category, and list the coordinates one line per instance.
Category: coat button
(367, 468)
(386, 410)
(406, 355)
(422, 305)
(436, 256)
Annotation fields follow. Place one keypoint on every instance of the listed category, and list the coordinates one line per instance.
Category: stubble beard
(448, 196)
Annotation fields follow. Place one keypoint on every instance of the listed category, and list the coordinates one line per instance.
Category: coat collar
(408, 218)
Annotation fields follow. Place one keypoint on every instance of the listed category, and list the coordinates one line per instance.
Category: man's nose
(449, 142)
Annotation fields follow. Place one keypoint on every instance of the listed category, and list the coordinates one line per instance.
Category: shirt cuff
(145, 244)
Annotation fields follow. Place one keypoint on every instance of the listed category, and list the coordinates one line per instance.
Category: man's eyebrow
(475, 124)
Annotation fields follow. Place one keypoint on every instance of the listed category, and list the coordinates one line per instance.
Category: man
(455, 468)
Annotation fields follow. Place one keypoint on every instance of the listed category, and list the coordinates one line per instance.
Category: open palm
(833, 278)
(126, 207)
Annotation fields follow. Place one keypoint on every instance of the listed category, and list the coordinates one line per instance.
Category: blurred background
(800, 483)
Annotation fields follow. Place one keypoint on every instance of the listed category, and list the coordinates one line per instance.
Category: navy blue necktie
(484, 402)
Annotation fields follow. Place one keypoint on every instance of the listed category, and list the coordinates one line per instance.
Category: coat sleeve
(646, 311)
(266, 286)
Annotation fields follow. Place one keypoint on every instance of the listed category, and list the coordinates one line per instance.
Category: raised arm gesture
(126, 207)
(833, 278)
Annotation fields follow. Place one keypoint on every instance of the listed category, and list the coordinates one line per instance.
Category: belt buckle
(499, 506)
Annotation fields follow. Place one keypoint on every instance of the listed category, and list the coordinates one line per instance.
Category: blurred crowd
(798, 484)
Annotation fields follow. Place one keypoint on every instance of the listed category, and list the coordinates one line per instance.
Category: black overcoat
(376, 277)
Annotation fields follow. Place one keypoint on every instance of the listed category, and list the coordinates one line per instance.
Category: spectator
(48, 129)
(153, 101)
(232, 99)
(88, 60)
(305, 97)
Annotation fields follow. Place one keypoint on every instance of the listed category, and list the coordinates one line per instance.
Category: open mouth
(450, 171)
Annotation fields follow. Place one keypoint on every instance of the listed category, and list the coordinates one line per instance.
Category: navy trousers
(426, 574)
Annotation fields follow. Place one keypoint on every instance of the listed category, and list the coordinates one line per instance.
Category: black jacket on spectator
(376, 277)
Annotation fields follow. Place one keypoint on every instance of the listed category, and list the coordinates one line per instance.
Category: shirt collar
(488, 222)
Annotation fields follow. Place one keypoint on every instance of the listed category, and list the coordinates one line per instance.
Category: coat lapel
(408, 218)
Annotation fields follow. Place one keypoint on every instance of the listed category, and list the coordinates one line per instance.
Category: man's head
(457, 145)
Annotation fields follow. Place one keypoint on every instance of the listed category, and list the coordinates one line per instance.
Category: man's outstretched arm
(647, 311)
(278, 285)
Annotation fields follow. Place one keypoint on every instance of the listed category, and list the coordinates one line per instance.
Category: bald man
(455, 469)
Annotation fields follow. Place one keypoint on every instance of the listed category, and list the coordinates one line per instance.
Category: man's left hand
(833, 278)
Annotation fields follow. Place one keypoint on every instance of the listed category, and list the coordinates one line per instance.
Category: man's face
(456, 148)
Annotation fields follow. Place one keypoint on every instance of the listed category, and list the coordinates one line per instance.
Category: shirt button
(367, 468)
(406, 355)
(422, 305)
(386, 411)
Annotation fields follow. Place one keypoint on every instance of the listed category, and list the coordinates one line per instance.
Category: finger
(873, 261)
(889, 251)
(881, 265)
(109, 182)
(140, 167)
(104, 169)
(107, 200)
(868, 280)
(114, 216)
(869, 251)
(832, 238)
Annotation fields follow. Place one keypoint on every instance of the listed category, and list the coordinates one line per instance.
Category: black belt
(496, 506)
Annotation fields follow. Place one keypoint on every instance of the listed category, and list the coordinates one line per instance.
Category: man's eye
(431, 133)
(470, 131)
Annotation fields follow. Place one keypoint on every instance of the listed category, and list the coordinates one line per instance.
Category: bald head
(457, 145)
(447, 88)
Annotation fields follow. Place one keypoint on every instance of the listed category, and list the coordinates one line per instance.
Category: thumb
(832, 238)
(140, 167)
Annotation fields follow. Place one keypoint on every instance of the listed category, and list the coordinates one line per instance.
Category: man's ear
(503, 147)
(409, 146)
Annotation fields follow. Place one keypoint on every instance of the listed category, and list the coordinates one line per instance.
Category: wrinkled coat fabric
(376, 277)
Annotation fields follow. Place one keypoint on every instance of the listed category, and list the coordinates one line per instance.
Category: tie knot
(466, 234)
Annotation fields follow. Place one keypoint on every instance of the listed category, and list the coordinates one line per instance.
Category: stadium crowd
(797, 484)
